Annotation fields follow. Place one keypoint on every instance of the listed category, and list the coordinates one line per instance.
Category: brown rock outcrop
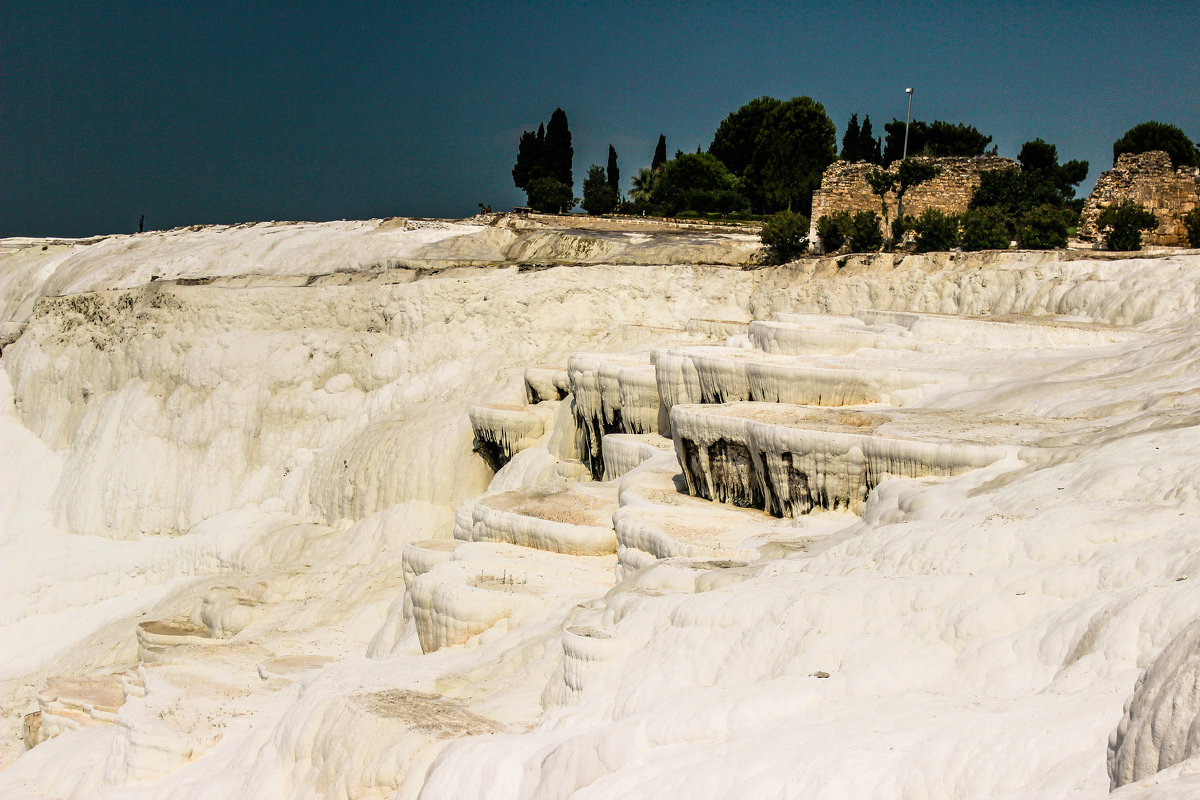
(844, 187)
(1149, 180)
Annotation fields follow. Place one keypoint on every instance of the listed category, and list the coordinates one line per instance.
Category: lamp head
(908, 91)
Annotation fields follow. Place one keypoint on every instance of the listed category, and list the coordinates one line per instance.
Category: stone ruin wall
(1148, 180)
(844, 187)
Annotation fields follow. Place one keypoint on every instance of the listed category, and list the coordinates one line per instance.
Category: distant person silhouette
(142, 224)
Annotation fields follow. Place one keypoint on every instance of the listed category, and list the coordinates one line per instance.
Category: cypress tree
(851, 141)
(660, 152)
(529, 158)
(557, 151)
(868, 145)
(614, 172)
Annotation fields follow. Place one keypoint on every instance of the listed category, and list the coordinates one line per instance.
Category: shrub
(833, 230)
(1191, 221)
(901, 226)
(935, 230)
(786, 235)
(864, 232)
(985, 229)
(1042, 228)
(1123, 225)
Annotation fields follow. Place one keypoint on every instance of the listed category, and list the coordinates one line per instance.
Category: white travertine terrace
(990, 333)
(802, 384)
(250, 469)
(637, 393)
(502, 431)
(71, 703)
(485, 583)
(838, 338)
(677, 381)
(596, 381)
(648, 533)
(624, 452)
(572, 518)
(172, 641)
(715, 329)
(790, 459)
(546, 383)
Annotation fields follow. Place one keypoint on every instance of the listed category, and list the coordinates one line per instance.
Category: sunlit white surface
(257, 457)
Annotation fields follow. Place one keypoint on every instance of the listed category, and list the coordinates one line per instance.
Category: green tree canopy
(695, 182)
(1014, 193)
(1039, 159)
(985, 229)
(736, 139)
(912, 173)
(643, 184)
(935, 138)
(549, 195)
(1158, 136)
(794, 149)
(1191, 223)
(935, 230)
(598, 195)
(1042, 228)
(1041, 183)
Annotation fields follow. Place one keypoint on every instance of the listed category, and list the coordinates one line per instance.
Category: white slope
(254, 457)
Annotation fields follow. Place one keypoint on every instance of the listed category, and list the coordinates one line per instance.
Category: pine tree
(851, 141)
(660, 152)
(614, 172)
(557, 153)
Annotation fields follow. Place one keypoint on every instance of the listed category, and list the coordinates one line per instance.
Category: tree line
(768, 157)
(1034, 206)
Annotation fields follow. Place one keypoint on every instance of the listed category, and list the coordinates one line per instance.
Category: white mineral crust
(247, 551)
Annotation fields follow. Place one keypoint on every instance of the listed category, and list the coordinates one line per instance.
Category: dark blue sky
(227, 112)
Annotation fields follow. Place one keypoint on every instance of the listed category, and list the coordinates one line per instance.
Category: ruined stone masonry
(844, 187)
(1148, 180)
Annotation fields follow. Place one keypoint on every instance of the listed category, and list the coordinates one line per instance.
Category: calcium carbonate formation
(450, 510)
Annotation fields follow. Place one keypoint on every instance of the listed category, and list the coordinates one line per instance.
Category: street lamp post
(900, 190)
(907, 120)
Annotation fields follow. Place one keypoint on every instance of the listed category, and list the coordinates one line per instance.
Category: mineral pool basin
(574, 504)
